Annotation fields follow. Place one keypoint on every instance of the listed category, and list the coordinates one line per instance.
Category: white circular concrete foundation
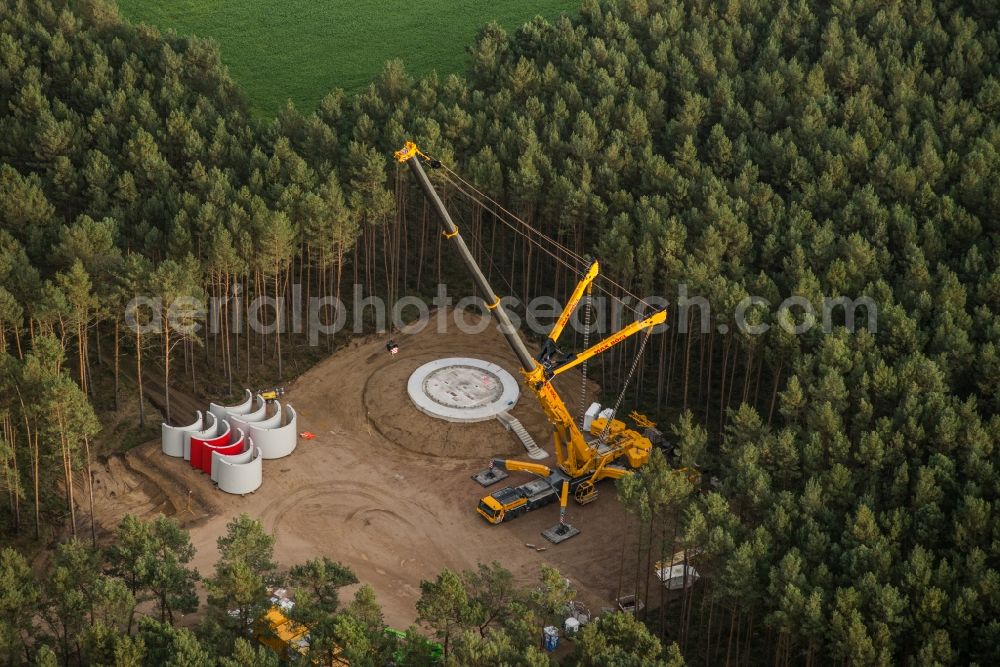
(460, 389)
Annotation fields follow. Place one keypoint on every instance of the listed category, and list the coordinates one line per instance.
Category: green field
(300, 49)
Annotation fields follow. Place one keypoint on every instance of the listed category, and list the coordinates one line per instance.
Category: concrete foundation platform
(560, 533)
(461, 389)
(489, 477)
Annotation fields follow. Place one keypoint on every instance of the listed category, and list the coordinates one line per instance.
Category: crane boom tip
(408, 150)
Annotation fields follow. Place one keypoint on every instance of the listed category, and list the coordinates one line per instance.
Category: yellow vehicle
(641, 420)
(270, 395)
(612, 450)
(513, 501)
(288, 639)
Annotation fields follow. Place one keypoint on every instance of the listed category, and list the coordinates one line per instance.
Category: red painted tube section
(199, 446)
(226, 450)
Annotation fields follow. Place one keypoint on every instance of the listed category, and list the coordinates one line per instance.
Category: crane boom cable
(478, 244)
(514, 217)
(554, 242)
(628, 381)
(527, 237)
(513, 228)
(535, 242)
(480, 248)
(580, 260)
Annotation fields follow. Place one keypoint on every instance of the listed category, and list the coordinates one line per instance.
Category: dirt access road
(386, 489)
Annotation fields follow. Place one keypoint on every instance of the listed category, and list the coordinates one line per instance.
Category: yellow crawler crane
(613, 450)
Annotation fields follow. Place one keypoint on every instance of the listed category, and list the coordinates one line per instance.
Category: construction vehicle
(630, 604)
(289, 640)
(612, 450)
(271, 395)
(513, 501)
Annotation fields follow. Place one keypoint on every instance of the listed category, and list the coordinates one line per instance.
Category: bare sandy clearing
(386, 489)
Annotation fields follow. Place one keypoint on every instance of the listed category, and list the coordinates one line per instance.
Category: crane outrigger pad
(490, 476)
(560, 533)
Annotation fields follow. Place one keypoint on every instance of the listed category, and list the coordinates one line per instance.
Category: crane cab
(491, 509)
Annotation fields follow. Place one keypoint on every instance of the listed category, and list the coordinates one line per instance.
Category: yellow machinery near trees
(612, 450)
(290, 640)
(641, 420)
(271, 395)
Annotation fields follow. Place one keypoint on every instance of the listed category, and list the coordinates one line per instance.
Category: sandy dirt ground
(384, 488)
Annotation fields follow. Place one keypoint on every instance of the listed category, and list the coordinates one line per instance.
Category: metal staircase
(512, 423)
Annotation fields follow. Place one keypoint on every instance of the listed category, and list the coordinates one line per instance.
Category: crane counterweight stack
(611, 451)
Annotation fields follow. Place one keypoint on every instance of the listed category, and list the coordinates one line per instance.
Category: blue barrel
(551, 638)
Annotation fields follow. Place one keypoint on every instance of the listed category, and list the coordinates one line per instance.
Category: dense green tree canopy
(764, 147)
